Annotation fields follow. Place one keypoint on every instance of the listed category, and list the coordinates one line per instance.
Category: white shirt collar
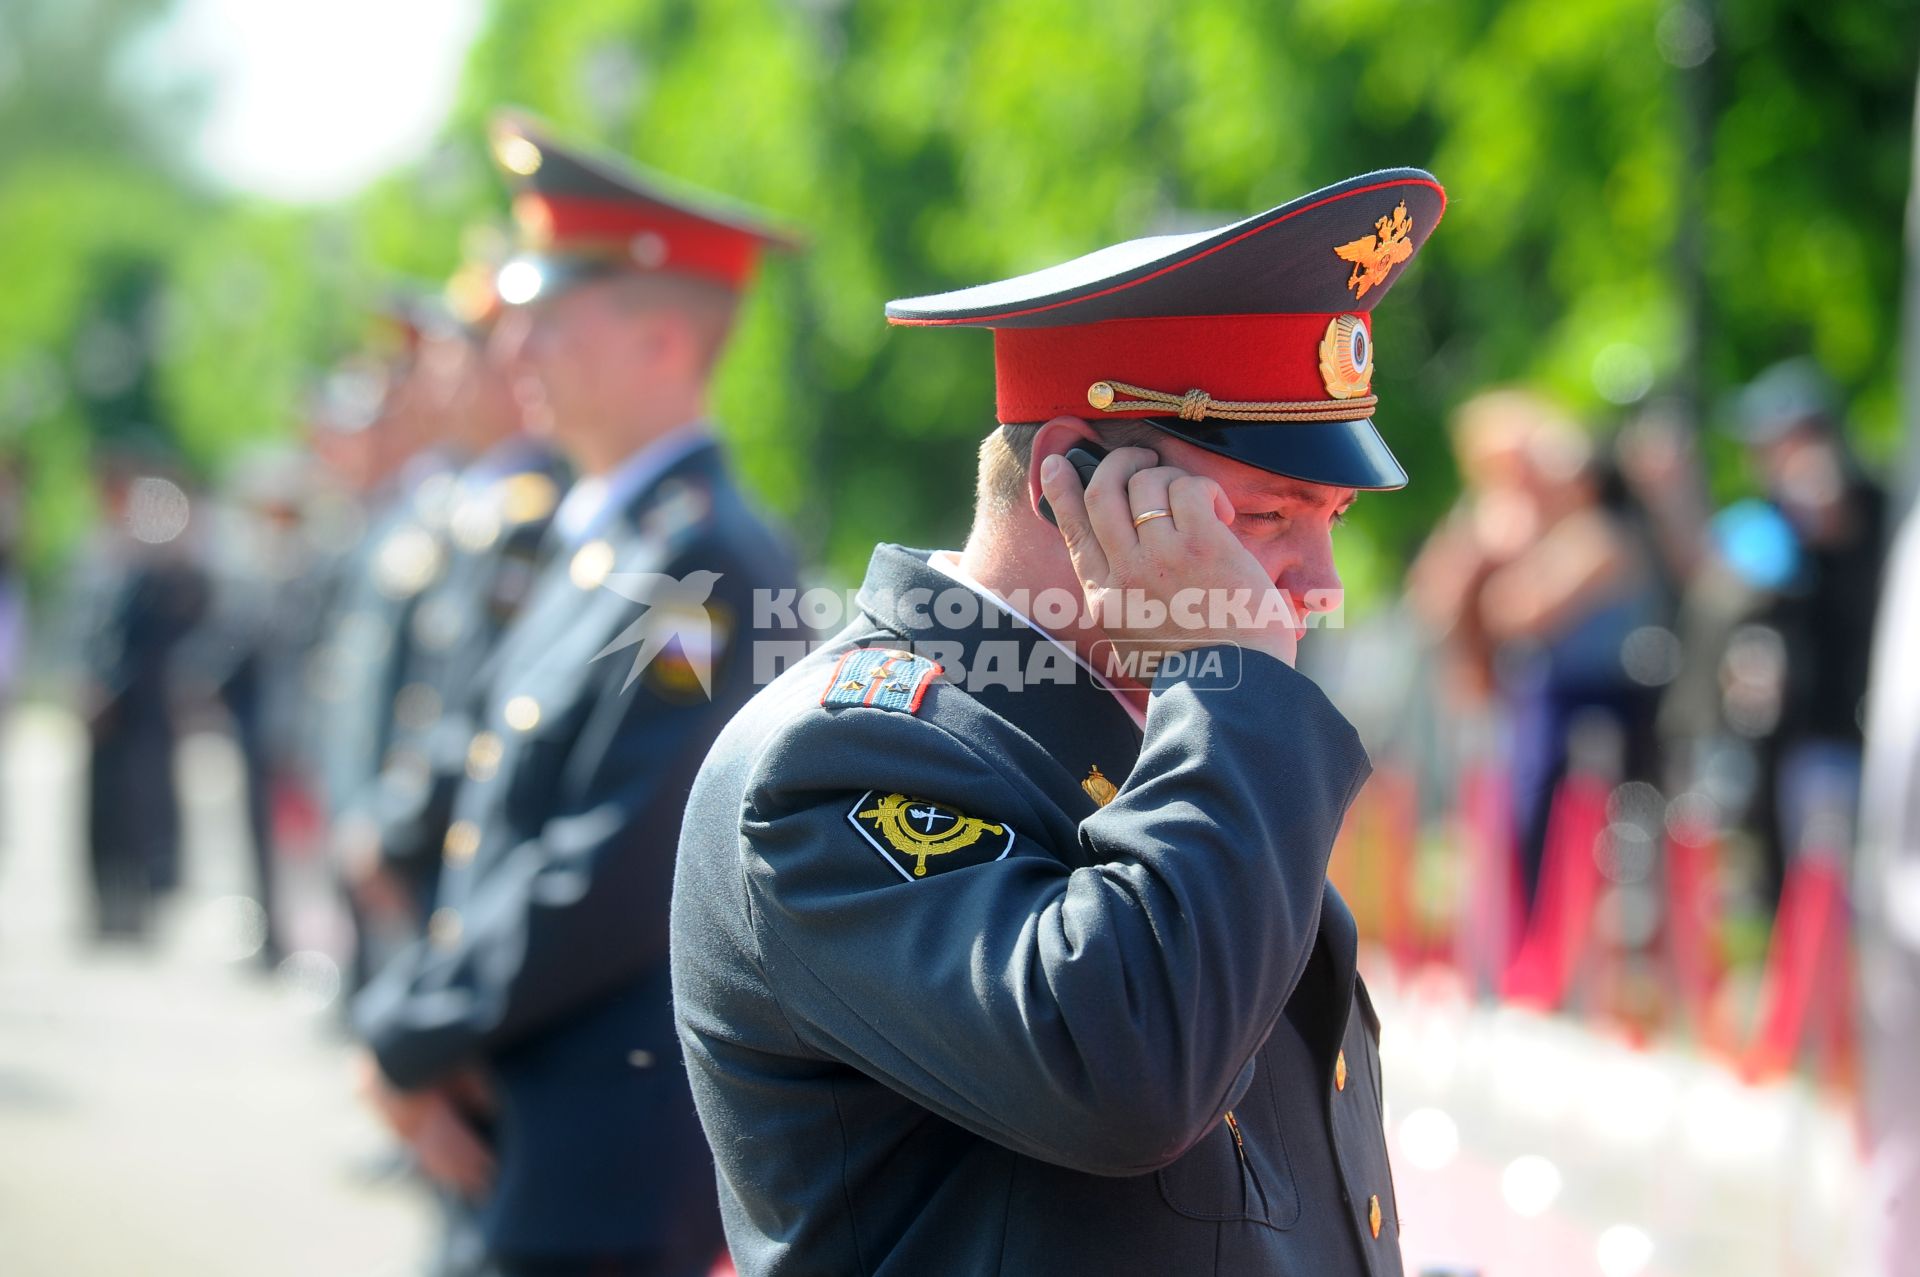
(947, 563)
(594, 498)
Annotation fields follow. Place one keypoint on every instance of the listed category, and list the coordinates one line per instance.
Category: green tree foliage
(932, 146)
(84, 224)
(1646, 195)
(138, 308)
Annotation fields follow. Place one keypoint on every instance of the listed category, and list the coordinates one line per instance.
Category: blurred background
(1612, 649)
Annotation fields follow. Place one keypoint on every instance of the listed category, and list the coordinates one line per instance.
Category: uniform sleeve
(1101, 1018)
(576, 911)
(412, 802)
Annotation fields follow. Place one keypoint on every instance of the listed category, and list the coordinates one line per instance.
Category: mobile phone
(1085, 459)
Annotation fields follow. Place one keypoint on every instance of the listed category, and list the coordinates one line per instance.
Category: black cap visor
(532, 277)
(1339, 454)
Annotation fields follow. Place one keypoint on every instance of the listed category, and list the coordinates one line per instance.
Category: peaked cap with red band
(582, 215)
(1254, 341)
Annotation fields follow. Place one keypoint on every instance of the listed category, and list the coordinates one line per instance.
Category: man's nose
(1312, 579)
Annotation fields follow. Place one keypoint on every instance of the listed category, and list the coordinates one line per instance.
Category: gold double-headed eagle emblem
(1374, 256)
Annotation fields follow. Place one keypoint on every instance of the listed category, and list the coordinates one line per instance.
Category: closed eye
(1281, 516)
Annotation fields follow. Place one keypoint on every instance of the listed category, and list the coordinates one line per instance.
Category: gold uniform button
(444, 927)
(483, 756)
(1340, 1071)
(1373, 1213)
(591, 564)
(463, 839)
(523, 713)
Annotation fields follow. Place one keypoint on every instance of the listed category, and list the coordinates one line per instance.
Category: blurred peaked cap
(407, 313)
(584, 213)
(1253, 340)
(1784, 396)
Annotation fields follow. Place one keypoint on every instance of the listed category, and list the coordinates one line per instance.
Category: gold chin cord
(1198, 405)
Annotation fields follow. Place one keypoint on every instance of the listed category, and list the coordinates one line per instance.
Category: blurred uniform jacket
(136, 606)
(495, 542)
(359, 666)
(546, 959)
(1120, 1038)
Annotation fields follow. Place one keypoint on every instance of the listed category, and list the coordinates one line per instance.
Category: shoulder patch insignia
(918, 837)
(883, 677)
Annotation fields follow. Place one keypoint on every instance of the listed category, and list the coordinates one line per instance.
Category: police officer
(526, 1046)
(254, 649)
(139, 594)
(488, 534)
(1004, 945)
(489, 538)
(358, 668)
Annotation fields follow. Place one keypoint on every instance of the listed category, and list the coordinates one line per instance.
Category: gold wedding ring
(1145, 515)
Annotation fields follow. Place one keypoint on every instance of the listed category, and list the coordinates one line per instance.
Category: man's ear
(1053, 439)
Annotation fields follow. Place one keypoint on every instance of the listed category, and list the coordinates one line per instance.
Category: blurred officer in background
(359, 665)
(488, 530)
(489, 537)
(269, 594)
(138, 595)
(526, 1047)
(997, 962)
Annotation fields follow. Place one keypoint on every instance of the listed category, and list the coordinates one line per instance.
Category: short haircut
(1004, 457)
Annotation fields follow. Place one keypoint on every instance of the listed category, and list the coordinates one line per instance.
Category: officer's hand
(448, 1148)
(382, 896)
(1168, 582)
(377, 890)
(389, 1103)
(433, 1127)
(471, 1092)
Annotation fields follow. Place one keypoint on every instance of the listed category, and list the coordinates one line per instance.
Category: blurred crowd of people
(1594, 614)
(253, 608)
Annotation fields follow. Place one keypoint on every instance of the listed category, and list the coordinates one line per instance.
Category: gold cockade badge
(1376, 254)
(1346, 358)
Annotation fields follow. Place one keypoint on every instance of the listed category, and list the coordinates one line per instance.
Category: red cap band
(651, 237)
(1045, 372)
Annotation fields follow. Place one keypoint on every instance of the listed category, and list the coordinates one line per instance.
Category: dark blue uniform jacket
(1117, 1038)
(546, 958)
